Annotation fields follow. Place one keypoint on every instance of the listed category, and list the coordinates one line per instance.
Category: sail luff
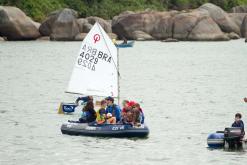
(116, 66)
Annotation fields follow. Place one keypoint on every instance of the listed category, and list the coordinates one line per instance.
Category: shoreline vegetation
(152, 21)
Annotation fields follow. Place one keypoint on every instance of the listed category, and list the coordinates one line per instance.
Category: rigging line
(109, 51)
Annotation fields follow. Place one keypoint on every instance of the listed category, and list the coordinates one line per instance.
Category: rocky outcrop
(141, 36)
(80, 36)
(105, 25)
(170, 40)
(81, 22)
(195, 25)
(87, 27)
(239, 9)
(220, 17)
(15, 25)
(112, 35)
(146, 22)
(44, 38)
(206, 23)
(233, 36)
(244, 27)
(238, 18)
(61, 25)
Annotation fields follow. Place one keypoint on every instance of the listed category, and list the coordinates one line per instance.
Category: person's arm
(143, 118)
(242, 125)
(84, 99)
(118, 113)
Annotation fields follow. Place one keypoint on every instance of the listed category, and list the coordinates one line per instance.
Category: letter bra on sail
(95, 71)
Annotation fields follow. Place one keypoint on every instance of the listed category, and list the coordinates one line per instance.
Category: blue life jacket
(115, 110)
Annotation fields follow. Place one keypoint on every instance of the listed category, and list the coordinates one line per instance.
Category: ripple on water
(187, 90)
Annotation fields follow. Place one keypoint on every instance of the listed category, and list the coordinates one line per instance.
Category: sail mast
(118, 77)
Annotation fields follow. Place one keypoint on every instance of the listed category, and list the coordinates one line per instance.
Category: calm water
(187, 90)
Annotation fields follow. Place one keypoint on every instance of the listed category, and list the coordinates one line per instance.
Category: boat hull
(217, 140)
(129, 44)
(107, 130)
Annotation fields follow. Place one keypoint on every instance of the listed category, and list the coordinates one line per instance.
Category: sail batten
(95, 71)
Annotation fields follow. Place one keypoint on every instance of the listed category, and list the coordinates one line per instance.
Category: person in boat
(137, 107)
(84, 99)
(88, 113)
(110, 119)
(239, 123)
(128, 117)
(113, 108)
(125, 106)
(125, 41)
(114, 41)
(101, 113)
(136, 116)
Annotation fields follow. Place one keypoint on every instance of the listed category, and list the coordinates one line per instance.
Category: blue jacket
(239, 124)
(115, 111)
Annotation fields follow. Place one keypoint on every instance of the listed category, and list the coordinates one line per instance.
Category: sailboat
(96, 73)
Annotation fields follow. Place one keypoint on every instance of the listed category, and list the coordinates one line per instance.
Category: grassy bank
(38, 9)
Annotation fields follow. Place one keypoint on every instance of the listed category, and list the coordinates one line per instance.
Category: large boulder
(80, 36)
(233, 36)
(61, 25)
(196, 26)
(147, 22)
(87, 27)
(46, 26)
(238, 18)
(105, 24)
(81, 22)
(244, 27)
(15, 25)
(239, 9)
(112, 35)
(193, 25)
(220, 17)
(141, 36)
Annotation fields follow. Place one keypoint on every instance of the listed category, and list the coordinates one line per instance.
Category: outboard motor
(233, 137)
(215, 140)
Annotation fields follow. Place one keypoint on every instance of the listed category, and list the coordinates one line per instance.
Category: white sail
(95, 71)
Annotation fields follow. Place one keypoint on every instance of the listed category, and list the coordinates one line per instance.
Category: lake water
(187, 90)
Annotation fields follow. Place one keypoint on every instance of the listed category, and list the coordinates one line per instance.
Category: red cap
(131, 103)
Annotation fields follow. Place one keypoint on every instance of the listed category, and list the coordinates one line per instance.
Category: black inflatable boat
(105, 130)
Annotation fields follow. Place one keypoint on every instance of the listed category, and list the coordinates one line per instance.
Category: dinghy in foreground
(105, 130)
(96, 73)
